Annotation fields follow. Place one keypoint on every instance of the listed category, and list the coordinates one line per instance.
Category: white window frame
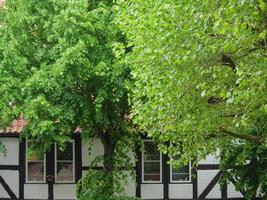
(73, 164)
(27, 180)
(181, 181)
(143, 161)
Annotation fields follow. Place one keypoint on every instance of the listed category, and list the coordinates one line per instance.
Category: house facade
(54, 175)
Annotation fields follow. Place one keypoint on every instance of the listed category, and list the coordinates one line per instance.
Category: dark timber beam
(9, 167)
(210, 186)
(224, 191)
(194, 182)
(22, 157)
(165, 176)
(50, 171)
(138, 167)
(7, 188)
(208, 166)
(78, 158)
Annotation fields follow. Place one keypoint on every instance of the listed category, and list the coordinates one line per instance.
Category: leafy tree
(244, 164)
(58, 69)
(200, 77)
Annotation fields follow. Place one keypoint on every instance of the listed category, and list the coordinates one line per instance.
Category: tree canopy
(195, 69)
(57, 65)
(59, 70)
(200, 73)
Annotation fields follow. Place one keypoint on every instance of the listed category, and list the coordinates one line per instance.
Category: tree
(244, 164)
(200, 74)
(58, 69)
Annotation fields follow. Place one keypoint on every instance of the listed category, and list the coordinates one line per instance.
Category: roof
(2, 3)
(16, 126)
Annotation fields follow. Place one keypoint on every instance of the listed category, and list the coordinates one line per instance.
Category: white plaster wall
(210, 159)
(3, 193)
(130, 186)
(64, 191)
(180, 191)
(96, 149)
(215, 192)
(204, 178)
(152, 191)
(12, 156)
(232, 193)
(35, 191)
(84, 172)
(11, 177)
(93, 148)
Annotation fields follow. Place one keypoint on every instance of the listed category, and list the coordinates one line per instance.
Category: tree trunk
(108, 155)
(108, 165)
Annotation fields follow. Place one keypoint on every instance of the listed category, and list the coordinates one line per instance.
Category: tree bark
(252, 138)
(108, 155)
(108, 165)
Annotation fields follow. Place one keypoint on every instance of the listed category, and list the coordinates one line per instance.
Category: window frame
(143, 161)
(182, 181)
(73, 163)
(26, 165)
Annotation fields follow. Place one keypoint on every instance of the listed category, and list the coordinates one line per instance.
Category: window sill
(152, 183)
(181, 182)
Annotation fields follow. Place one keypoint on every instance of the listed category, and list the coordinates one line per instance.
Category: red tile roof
(2, 2)
(16, 126)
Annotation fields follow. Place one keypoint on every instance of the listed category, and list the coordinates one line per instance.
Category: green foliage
(97, 190)
(58, 69)
(96, 185)
(2, 149)
(245, 164)
(200, 71)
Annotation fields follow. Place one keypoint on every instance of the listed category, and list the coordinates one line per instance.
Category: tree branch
(252, 50)
(228, 61)
(252, 138)
(215, 100)
(242, 113)
(225, 133)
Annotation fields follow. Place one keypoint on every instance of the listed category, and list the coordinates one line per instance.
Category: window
(181, 174)
(35, 167)
(151, 163)
(64, 163)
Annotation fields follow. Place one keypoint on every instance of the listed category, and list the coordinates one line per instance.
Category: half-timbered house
(54, 176)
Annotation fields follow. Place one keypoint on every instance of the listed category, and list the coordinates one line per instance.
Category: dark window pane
(65, 171)
(67, 154)
(151, 167)
(35, 171)
(184, 169)
(180, 177)
(152, 177)
(151, 151)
